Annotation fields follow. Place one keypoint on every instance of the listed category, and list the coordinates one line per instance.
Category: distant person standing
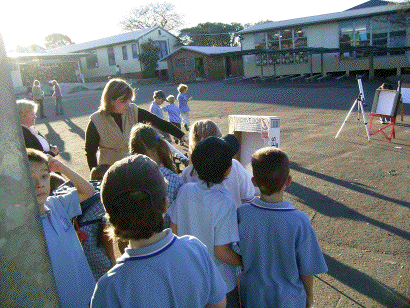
(57, 97)
(183, 104)
(38, 97)
(118, 70)
(173, 111)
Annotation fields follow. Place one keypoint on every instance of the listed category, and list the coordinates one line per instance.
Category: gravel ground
(355, 192)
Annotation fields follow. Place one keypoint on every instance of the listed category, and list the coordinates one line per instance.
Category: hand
(54, 149)
(190, 98)
(54, 164)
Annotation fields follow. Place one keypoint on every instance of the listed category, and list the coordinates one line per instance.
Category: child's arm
(186, 102)
(174, 228)
(108, 244)
(308, 283)
(227, 255)
(84, 188)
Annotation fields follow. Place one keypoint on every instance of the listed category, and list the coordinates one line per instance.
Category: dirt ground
(355, 192)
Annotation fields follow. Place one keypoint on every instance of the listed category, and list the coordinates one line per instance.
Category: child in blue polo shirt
(173, 111)
(72, 274)
(206, 209)
(183, 104)
(158, 269)
(279, 248)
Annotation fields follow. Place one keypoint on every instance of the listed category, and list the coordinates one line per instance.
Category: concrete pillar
(26, 277)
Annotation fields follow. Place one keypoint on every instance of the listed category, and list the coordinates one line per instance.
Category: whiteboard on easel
(405, 93)
(385, 102)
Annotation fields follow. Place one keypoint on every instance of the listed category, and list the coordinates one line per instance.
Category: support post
(26, 275)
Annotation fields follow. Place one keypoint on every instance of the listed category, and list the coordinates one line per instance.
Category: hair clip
(131, 153)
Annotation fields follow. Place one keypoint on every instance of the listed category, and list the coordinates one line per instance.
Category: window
(92, 60)
(134, 51)
(259, 40)
(287, 39)
(124, 53)
(300, 37)
(181, 62)
(111, 55)
(380, 31)
(163, 51)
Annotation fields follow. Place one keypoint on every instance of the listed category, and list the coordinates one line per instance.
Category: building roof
(107, 41)
(43, 56)
(370, 3)
(303, 21)
(206, 50)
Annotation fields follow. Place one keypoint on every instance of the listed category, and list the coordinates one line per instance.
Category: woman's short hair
(25, 106)
(114, 89)
(200, 130)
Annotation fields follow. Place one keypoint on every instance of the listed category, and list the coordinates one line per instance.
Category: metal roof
(206, 50)
(107, 41)
(326, 17)
(43, 55)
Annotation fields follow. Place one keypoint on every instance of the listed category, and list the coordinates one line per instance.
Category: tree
(31, 49)
(57, 40)
(153, 14)
(149, 59)
(211, 34)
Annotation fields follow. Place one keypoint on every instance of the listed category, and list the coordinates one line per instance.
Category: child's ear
(288, 180)
(254, 182)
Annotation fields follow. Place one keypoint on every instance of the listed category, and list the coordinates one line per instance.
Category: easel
(391, 116)
(359, 102)
(391, 124)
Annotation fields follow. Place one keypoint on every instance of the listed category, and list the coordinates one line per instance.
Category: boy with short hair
(72, 274)
(159, 99)
(158, 269)
(173, 111)
(206, 209)
(183, 104)
(278, 244)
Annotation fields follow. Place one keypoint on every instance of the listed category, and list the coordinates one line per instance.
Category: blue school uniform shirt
(181, 97)
(173, 113)
(173, 272)
(155, 109)
(210, 215)
(278, 244)
(73, 277)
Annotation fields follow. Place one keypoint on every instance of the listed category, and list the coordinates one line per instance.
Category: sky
(24, 22)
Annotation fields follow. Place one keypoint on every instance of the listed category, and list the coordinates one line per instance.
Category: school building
(119, 54)
(372, 38)
(190, 63)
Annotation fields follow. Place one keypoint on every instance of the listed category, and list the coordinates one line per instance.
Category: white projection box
(253, 133)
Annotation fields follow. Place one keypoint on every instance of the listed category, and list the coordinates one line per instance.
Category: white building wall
(131, 65)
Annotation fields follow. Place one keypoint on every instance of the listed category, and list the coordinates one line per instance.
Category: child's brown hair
(37, 156)
(270, 169)
(144, 140)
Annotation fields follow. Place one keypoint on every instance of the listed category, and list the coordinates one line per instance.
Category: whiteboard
(405, 93)
(385, 102)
